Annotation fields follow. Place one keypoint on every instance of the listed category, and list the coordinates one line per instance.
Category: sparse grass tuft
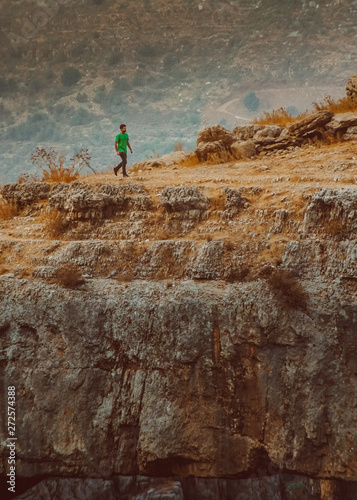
(56, 225)
(287, 288)
(7, 210)
(68, 276)
(279, 117)
(334, 228)
(343, 105)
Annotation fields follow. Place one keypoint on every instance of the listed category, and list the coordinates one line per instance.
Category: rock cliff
(206, 344)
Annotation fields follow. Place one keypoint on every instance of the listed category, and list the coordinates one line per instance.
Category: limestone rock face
(333, 210)
(79, 201)
(193, 379)
(26, 193)
(351, 88)
(181, 199)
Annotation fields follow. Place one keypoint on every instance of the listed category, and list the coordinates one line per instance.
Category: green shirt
(122, 141)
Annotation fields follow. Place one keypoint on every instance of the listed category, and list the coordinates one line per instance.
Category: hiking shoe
(115, 171)
(126, 175)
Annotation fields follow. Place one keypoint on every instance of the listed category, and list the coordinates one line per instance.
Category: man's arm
(129, 147)
(116, 147)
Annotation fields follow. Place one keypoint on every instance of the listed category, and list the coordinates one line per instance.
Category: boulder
(25, 193)
(245, 132)
(342, 121)
(168, 160)
(216, 133)
(243, 149)
(212, 151)
(351, 133)
(351, 88)
(310, 123)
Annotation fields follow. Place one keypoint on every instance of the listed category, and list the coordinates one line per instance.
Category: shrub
(52, 165)
(341, 106)
(70, 76)
(148, 51)
(82, 117)
(56, 225)
(7, 210)
(121, 84)
(115, 58)
(38, 127)
(287, 288)
(69, 276)
(279, 117)
(7, 85)
(251, 101)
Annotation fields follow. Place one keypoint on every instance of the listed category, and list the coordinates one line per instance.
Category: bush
(56, 225)
(7, 85)
(70, 76)
(38, 127)
(251, 101)
(121, 84)
(52, 165)
(82, 117)
(115, 58)
(7, 210)
(148, 51)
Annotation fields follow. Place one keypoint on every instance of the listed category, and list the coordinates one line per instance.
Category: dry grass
(52, 165)
(7, 210)
(56, 225)
(334, 228)
(279, 117)
(68, 276)
(287, 288)
(343, 105)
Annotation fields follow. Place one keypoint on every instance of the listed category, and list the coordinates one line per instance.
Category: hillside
(165, 68)
(188, 332)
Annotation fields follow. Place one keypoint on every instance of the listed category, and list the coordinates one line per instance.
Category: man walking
(121, 143)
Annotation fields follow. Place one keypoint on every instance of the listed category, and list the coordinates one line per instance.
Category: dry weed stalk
(278, 117)
(52, 165)
(56, 225)
(343, 105)
(8, 210)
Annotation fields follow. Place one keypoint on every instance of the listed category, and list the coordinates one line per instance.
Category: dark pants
(123, 162)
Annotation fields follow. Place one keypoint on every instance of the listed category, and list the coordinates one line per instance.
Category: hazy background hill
(72, 71)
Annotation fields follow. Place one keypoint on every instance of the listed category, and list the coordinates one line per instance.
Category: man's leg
(118, 167)
(123, 163)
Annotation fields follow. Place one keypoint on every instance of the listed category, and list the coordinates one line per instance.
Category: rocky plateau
(190, 332)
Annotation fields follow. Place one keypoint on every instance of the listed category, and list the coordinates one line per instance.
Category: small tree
(70, 76)
(251, 101)
(52, 165)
